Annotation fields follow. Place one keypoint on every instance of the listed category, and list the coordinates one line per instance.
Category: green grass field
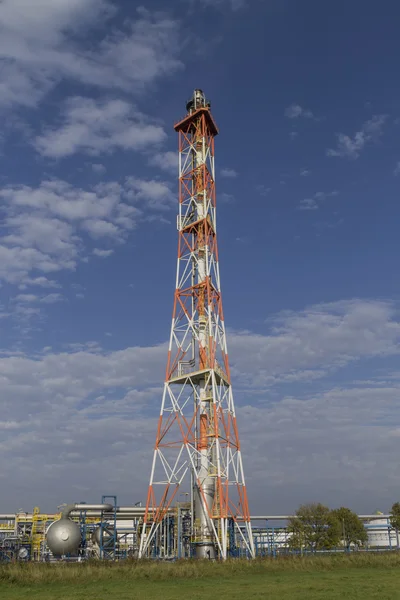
(336, 577)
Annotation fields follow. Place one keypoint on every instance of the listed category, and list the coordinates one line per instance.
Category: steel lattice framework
(197, 433)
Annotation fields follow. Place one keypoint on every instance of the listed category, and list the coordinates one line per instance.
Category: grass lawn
(302, 579)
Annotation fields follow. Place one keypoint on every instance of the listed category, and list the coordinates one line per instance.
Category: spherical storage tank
(63, 537)
(102, 535)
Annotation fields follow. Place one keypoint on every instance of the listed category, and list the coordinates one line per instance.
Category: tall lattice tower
(197, 437)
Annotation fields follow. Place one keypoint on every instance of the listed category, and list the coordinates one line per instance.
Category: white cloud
(44, 42)
(98, 168)
(305, 173)
(52, 298)
(308, 204)
(42, 282)
(340, 441)
(167, 161)
(102, 253)
(98, 126)
(26, 19)
(294, 111)
(36, 243)
(48, 236)
(331, 447)
(44, 228)
(230, 173)
(224, 197)
(100, 228)
(52, 394)
(23, 313)
(397, 169)
(26, 298)
(157, 194)
(323, 336)
(314, 202)
(263, 190)
(351, 147)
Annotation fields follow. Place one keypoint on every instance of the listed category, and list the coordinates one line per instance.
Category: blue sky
(308, 171)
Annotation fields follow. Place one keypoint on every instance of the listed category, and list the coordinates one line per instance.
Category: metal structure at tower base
(197, 449)
(25, 536)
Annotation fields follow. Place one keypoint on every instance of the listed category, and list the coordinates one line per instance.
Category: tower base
(205, 550)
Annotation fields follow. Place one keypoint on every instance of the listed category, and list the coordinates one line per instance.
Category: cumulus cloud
(167, 161)
(26, 298)
(65, 409)
(102, 253)
(224, 197)
(44, 42)
(70, 392)
(157, 194)
(44, 227)
(295, 111)
(325, 336)
(97, 126)
(335, 447)
(263, 190)
(26, 19)
(230, 173)
(25, 250)
(52, 298)
(48, 299)
(308, 204)
(100, 228)
(316, 200)
(351, 147)
(98, 168)
(41, 282)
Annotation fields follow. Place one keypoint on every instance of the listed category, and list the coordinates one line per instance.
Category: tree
(314, 527)
(395, 516)
(352, 528)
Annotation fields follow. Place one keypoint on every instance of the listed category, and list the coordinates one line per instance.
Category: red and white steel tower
(197, 435)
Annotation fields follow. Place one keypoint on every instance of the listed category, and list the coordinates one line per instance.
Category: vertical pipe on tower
(204, 495)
